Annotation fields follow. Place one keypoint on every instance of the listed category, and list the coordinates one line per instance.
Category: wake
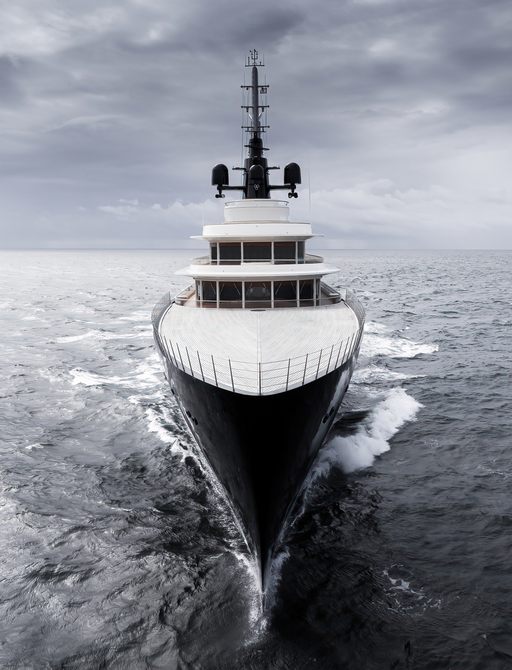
(371, 438)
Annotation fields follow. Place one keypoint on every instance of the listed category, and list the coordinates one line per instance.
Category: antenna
(255, 166)
(309, 190)
(254, 59)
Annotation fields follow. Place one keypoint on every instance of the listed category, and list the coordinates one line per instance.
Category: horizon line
(203, 249)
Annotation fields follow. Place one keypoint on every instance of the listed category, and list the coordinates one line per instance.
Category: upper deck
(257, 253)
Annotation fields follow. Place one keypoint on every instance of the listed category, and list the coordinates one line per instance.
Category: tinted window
(257, 251)
(230, 251)
(306, 289)
(284, 251)
(285, 290)
(257, 294)
(230, 290)
(257, 290)
(209, 291)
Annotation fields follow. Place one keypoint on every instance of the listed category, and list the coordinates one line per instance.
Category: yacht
(259, 349)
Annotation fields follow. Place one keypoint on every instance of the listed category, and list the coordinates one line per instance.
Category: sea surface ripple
(118, 549)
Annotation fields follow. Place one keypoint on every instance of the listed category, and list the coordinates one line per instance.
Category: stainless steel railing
(263, 377)
(356, 306)
(156, 313)
(308, 258)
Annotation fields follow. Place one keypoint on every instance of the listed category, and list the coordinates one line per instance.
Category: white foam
(394, 347)
(374, 327)
(371, 439)
(274, 575)
(139, 315)
(155, 423)
(139, 399)
(180, 443)
(86, 378)
(77, 338)
(399, 585)
(252, 568)
(376, 373)
(377, 341)
(150, 371)
(145, 377)
(104, 335)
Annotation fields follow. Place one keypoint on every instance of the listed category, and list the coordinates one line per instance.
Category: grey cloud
(9, 78)
(133, 101)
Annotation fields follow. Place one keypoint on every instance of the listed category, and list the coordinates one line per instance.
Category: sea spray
(378, 341)
(274, 575)
(356, 451)
(251, 565)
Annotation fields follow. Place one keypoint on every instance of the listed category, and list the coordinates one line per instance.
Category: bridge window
(284, 292)
(284, 252)
(257, 251)
(258, 294)
(231, 291)
(209, 291)
(306, 292)
(230, 253)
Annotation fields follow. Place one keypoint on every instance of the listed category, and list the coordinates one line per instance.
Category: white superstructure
(258, 319)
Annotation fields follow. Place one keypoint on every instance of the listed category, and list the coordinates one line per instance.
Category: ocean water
(118, 549)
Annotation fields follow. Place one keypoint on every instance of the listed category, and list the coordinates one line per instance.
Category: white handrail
(259, 378)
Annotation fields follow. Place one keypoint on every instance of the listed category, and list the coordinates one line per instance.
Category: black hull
(261, 447)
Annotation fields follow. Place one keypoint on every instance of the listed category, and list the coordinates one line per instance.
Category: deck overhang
(263, 230)
(259, 271)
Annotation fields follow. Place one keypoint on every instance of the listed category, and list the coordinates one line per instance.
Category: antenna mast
(256, 169)
(255, 165)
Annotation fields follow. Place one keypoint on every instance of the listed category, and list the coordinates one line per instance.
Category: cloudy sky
(113, 113)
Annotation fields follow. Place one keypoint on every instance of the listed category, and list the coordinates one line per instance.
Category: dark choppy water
(117, 551)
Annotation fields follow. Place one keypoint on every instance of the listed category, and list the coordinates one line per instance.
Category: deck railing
(253, 378)
(264, 377)
(156, 316)
(156, 313)
(307, 258)
(328, 296)
(356, 306)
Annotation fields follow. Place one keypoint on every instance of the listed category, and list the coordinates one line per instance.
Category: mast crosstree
(256, 183)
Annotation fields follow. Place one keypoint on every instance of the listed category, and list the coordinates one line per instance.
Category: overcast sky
(112, 115)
